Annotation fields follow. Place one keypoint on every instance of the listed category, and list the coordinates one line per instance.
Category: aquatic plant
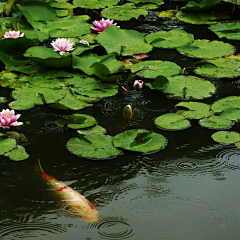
(62, 45)
(128, 112)
(101, 25)
(84, 42)
(13, 34)
(8, 118)
(138, 84)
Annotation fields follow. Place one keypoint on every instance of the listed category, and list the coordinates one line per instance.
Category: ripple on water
(113, 228)
(231, 157)
(36, 231)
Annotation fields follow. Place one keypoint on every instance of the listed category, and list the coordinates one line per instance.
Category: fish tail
(40, 166)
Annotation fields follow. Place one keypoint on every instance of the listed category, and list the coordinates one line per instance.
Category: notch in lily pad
(160, 83)
(76, 121)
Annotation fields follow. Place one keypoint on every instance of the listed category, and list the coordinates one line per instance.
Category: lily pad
(77, 121)
(227, 30)
(111, 37)
(216, 122)
(94, 4)
(160, 83)
(95, 129)
(200, 6)
(167, 14)
(231, 114)
(140, 140)
(93, 146)
(189, 88)
(37, 13)
(18, 154)
(232, 1)
(226, 137)
(67, 27)
(6, 144)
(3, 100)
(158, 2)
(171, 39)
(47, 57)
(172, 121)
(226, 103)
(85, 63)
(196, 17)
(124, 12)
(207, 49)
(21, 105)
(195, 110)
(219, 68)
(153, 69)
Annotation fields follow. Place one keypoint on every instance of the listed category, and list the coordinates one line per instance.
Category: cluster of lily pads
(39, 37)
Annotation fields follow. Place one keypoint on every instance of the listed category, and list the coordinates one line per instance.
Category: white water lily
(62, 45)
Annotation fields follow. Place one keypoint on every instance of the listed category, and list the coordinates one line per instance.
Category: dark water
(189, 191)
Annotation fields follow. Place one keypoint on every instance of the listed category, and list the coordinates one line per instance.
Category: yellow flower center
(13, 35)
(6, 115)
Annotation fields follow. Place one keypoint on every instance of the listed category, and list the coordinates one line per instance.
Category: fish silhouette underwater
(77, 202)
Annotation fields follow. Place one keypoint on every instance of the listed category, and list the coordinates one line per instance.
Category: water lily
(101, 25)
(128, 112)
(84, 42)
(138, 84)
(13, 34)
(8, 118)
(62, 45)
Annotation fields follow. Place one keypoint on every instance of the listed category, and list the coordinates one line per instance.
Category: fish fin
(40, 166)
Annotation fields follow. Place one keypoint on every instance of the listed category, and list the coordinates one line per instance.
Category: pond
(186, 189)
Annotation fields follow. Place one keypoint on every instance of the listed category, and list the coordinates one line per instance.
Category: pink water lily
(62, 45)
(13, 34)
(101, 25)
(84, 42)
(138, 84)
(8, 118)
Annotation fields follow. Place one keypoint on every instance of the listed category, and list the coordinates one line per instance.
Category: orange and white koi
(78, 203)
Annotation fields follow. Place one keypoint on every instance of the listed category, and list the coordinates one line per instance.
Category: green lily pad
(140, 140)
(216, 122)
(35, 36)
(21, 105)
(95, 129)
(200, 6)
(195, 110)
(158, 2)
(18, 154)
(219, 68)
(77, 121)
(14, 135)
(94, 4)
(196, 17)
(232, 1)
(3, 100)
(160, 83)
(124, 12)
(6, 144)
(2, 6)
(171, 39)
(80, 48)
(147, 6)
(207, 49)
(226, 137)
(227, 30)
(110, 37)
(189, 88)
(153, 69)
(48, 57)
(172, 121)
(85, 63)
(167, 14)
(93, 146)
(237, 144)
(231, 114)
(67, 27)
(37, 13)
(226, 103)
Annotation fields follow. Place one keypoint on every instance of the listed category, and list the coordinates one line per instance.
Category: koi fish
(78, 203)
